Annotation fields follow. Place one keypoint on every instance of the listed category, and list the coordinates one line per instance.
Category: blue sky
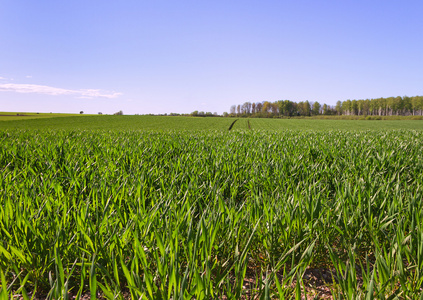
(179, 56)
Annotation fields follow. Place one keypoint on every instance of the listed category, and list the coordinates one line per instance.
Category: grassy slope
(190, 123)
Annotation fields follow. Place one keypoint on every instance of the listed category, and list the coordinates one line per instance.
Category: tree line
(392, 106)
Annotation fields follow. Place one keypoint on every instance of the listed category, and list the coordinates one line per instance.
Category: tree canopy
(392, 106)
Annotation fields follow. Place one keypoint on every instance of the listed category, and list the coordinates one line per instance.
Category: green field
(181, 208)
(13, 116)
(166, 123)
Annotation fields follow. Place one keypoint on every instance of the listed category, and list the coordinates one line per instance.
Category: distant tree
(403, 106)
(285, 107)
(194, 113)
(232, 111)
(246, 108)
(119, 113)
(407, 108)
(316, 108)
(266, 108)
(346, 107)
(81, 112)
(259, 106)
(366, 107)
(325, 109)
(274, 108)
(289, 107)
(100, 113)
(338, 107)
(417, 105)
(303, 108)
(225, 114)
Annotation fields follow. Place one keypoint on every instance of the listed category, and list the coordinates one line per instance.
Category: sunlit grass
(168, 123)
(194, 214)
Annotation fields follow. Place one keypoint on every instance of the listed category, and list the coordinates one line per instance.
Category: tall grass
(160, 215)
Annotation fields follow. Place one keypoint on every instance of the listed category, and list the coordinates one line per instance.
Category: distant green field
(103, 122)
(13, 116)
(122, 123)
(321, 124)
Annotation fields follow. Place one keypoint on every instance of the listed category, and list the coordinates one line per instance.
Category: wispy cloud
(48, 90)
